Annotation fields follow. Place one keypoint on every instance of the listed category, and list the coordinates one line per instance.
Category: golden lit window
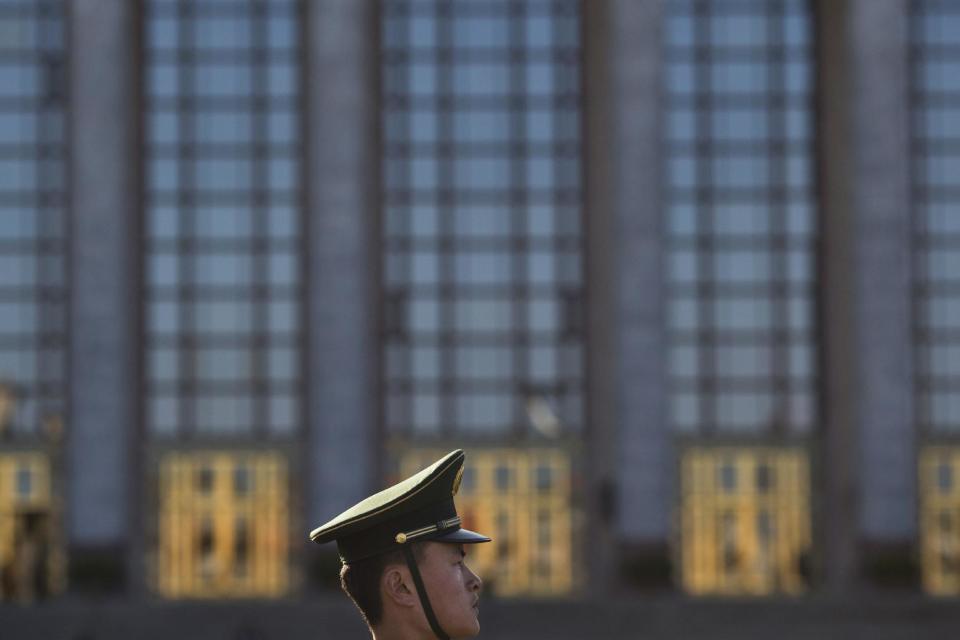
(520, 498)
(940, 519)
(745, 520)
(31, 556)
(223, 525)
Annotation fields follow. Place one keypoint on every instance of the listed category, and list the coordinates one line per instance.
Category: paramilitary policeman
(403, 557)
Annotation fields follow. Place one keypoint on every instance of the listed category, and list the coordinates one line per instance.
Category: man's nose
(474, 580)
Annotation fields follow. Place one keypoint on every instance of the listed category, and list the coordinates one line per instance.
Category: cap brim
(461, 536)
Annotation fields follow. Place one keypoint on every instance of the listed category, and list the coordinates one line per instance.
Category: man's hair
(361, 581)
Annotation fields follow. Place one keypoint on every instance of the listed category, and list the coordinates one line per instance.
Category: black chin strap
(422, 592)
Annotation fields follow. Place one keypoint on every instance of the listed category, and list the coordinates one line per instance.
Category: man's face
(454, 590)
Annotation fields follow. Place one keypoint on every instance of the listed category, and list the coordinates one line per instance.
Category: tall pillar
(881, 200)
(104, 287)
(867, 488)
(629, 232)
(342, 187)
(836, 480)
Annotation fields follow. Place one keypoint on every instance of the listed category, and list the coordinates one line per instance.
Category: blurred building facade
(682, 277)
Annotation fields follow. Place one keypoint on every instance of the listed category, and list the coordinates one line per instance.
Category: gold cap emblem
(401, 538)
(456, 481)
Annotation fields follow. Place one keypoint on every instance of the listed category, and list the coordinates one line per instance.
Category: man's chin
(471, 628)
(465, 626)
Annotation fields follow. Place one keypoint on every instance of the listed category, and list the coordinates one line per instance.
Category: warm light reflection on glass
(223, 525)
(940, 519)
(31, 546)
(745, 520)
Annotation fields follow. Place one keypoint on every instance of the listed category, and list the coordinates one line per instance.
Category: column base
(97, 569)
(646, 566)
(889, 565)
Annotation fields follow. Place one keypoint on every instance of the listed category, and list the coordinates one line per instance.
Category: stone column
(835, 482)
(629, 392)
(105, 392)
(881, 200)
(867, 516)
(342, 187)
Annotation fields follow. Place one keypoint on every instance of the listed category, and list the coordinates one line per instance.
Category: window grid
(223, 218)
(481, 235)
(745, 520)
(223, 524)
(28, 503)
(32, 214)
(741, 216)
(935, 39)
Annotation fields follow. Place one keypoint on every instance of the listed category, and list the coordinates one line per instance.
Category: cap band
(384, 537)
(403, 537)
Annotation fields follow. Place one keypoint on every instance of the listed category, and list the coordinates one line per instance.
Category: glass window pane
(482, 234)
(740, 221)
(223, 261)
(34, 77)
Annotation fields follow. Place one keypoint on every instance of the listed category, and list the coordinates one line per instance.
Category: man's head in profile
(383, 589)
(404, 557)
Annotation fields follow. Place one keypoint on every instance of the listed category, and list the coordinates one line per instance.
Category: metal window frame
(515, 291)
(780, 289)
(258, 247)
(925, 287)
(935, 440)
(48, 248)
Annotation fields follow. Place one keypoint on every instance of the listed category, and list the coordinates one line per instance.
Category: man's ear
(397, 586)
